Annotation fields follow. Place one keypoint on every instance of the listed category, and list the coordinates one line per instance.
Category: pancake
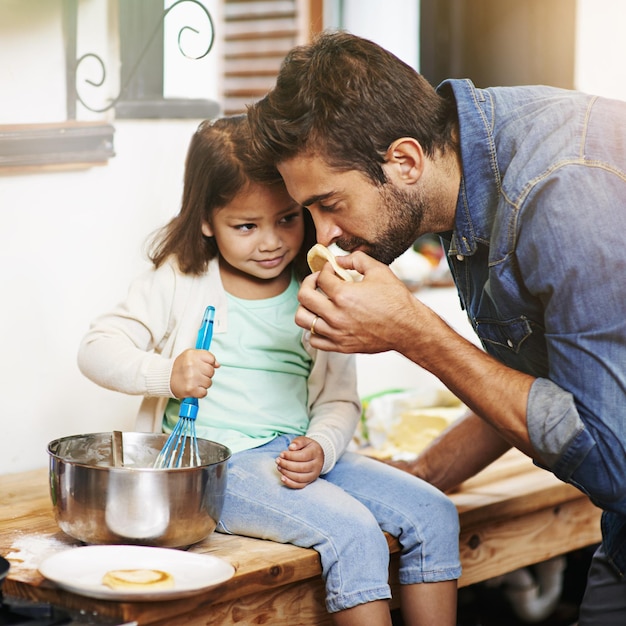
(138, 579)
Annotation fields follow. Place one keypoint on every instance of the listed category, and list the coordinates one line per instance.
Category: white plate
(80, 570)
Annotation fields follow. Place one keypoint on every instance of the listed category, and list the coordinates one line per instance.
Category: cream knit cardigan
(132, 349)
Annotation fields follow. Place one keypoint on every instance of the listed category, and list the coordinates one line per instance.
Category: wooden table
(512, 514)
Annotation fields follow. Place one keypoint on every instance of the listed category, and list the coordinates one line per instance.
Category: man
(526, 187)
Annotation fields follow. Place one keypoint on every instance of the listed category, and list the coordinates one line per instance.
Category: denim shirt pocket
(517, 342)
(509, 334)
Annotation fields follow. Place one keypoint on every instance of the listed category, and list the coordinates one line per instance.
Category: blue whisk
(171, 454)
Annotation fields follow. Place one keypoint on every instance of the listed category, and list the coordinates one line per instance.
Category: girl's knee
(360, 540)
(446, 510)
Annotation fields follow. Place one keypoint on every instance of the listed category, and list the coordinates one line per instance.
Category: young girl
(286, 411)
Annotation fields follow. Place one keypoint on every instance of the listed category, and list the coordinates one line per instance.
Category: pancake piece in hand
(319, 255)
(138, 579)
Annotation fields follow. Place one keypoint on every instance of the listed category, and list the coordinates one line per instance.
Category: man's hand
(364, 316)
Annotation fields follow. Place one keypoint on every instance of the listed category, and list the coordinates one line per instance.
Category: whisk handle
(189, 408)
(205, 334)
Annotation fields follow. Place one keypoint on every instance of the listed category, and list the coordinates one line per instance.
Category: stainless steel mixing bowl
(98, 503)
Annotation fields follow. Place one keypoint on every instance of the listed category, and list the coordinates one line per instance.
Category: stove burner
(17, 612)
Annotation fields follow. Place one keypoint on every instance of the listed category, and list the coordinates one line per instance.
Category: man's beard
(404, 213)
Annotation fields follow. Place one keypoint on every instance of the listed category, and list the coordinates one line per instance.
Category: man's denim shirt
(538, 254)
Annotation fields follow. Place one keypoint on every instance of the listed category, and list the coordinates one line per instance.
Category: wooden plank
(270, 28)
(246, 96)
(510, 487)
(513, 497)
(253, 36)
(237, 49)
(251, 18)
(316, 16)
(511, 463)
(301, 604)
(506, 545)
(66, 143)
(249, 74)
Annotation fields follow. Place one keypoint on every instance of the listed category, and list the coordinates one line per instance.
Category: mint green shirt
(260, 389)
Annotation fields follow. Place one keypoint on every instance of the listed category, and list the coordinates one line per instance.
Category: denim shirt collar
(480, 181)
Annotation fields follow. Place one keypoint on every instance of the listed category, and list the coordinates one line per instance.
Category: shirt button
(459, 257)
(509, 343)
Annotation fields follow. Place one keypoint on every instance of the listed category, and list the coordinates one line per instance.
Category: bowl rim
(227, 453)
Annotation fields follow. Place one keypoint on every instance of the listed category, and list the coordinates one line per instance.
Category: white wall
(31, 56)
(390, 370)
(395, 26)
(192, 75)
(601, 47)
(70, 242)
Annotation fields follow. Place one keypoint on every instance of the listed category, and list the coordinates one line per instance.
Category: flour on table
(28, 551)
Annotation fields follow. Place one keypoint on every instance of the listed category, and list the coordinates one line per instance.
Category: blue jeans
(341, 515)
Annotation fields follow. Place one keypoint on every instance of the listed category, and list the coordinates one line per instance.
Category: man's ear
(405, 160)
(207, 231)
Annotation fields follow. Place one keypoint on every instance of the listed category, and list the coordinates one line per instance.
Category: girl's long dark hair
(217, 167)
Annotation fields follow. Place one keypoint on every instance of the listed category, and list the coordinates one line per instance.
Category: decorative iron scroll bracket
(141, 91)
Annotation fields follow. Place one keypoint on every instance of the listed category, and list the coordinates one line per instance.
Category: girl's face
(258, 234)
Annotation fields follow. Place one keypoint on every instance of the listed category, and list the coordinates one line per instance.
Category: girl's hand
(192, 373)
(301, 463)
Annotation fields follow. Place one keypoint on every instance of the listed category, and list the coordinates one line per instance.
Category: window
(55, 126)
(143, 58)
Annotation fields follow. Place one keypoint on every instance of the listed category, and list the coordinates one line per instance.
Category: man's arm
(460, 452)
(380, 313)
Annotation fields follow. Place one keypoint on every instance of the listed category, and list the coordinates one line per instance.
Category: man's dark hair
(346, 99)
